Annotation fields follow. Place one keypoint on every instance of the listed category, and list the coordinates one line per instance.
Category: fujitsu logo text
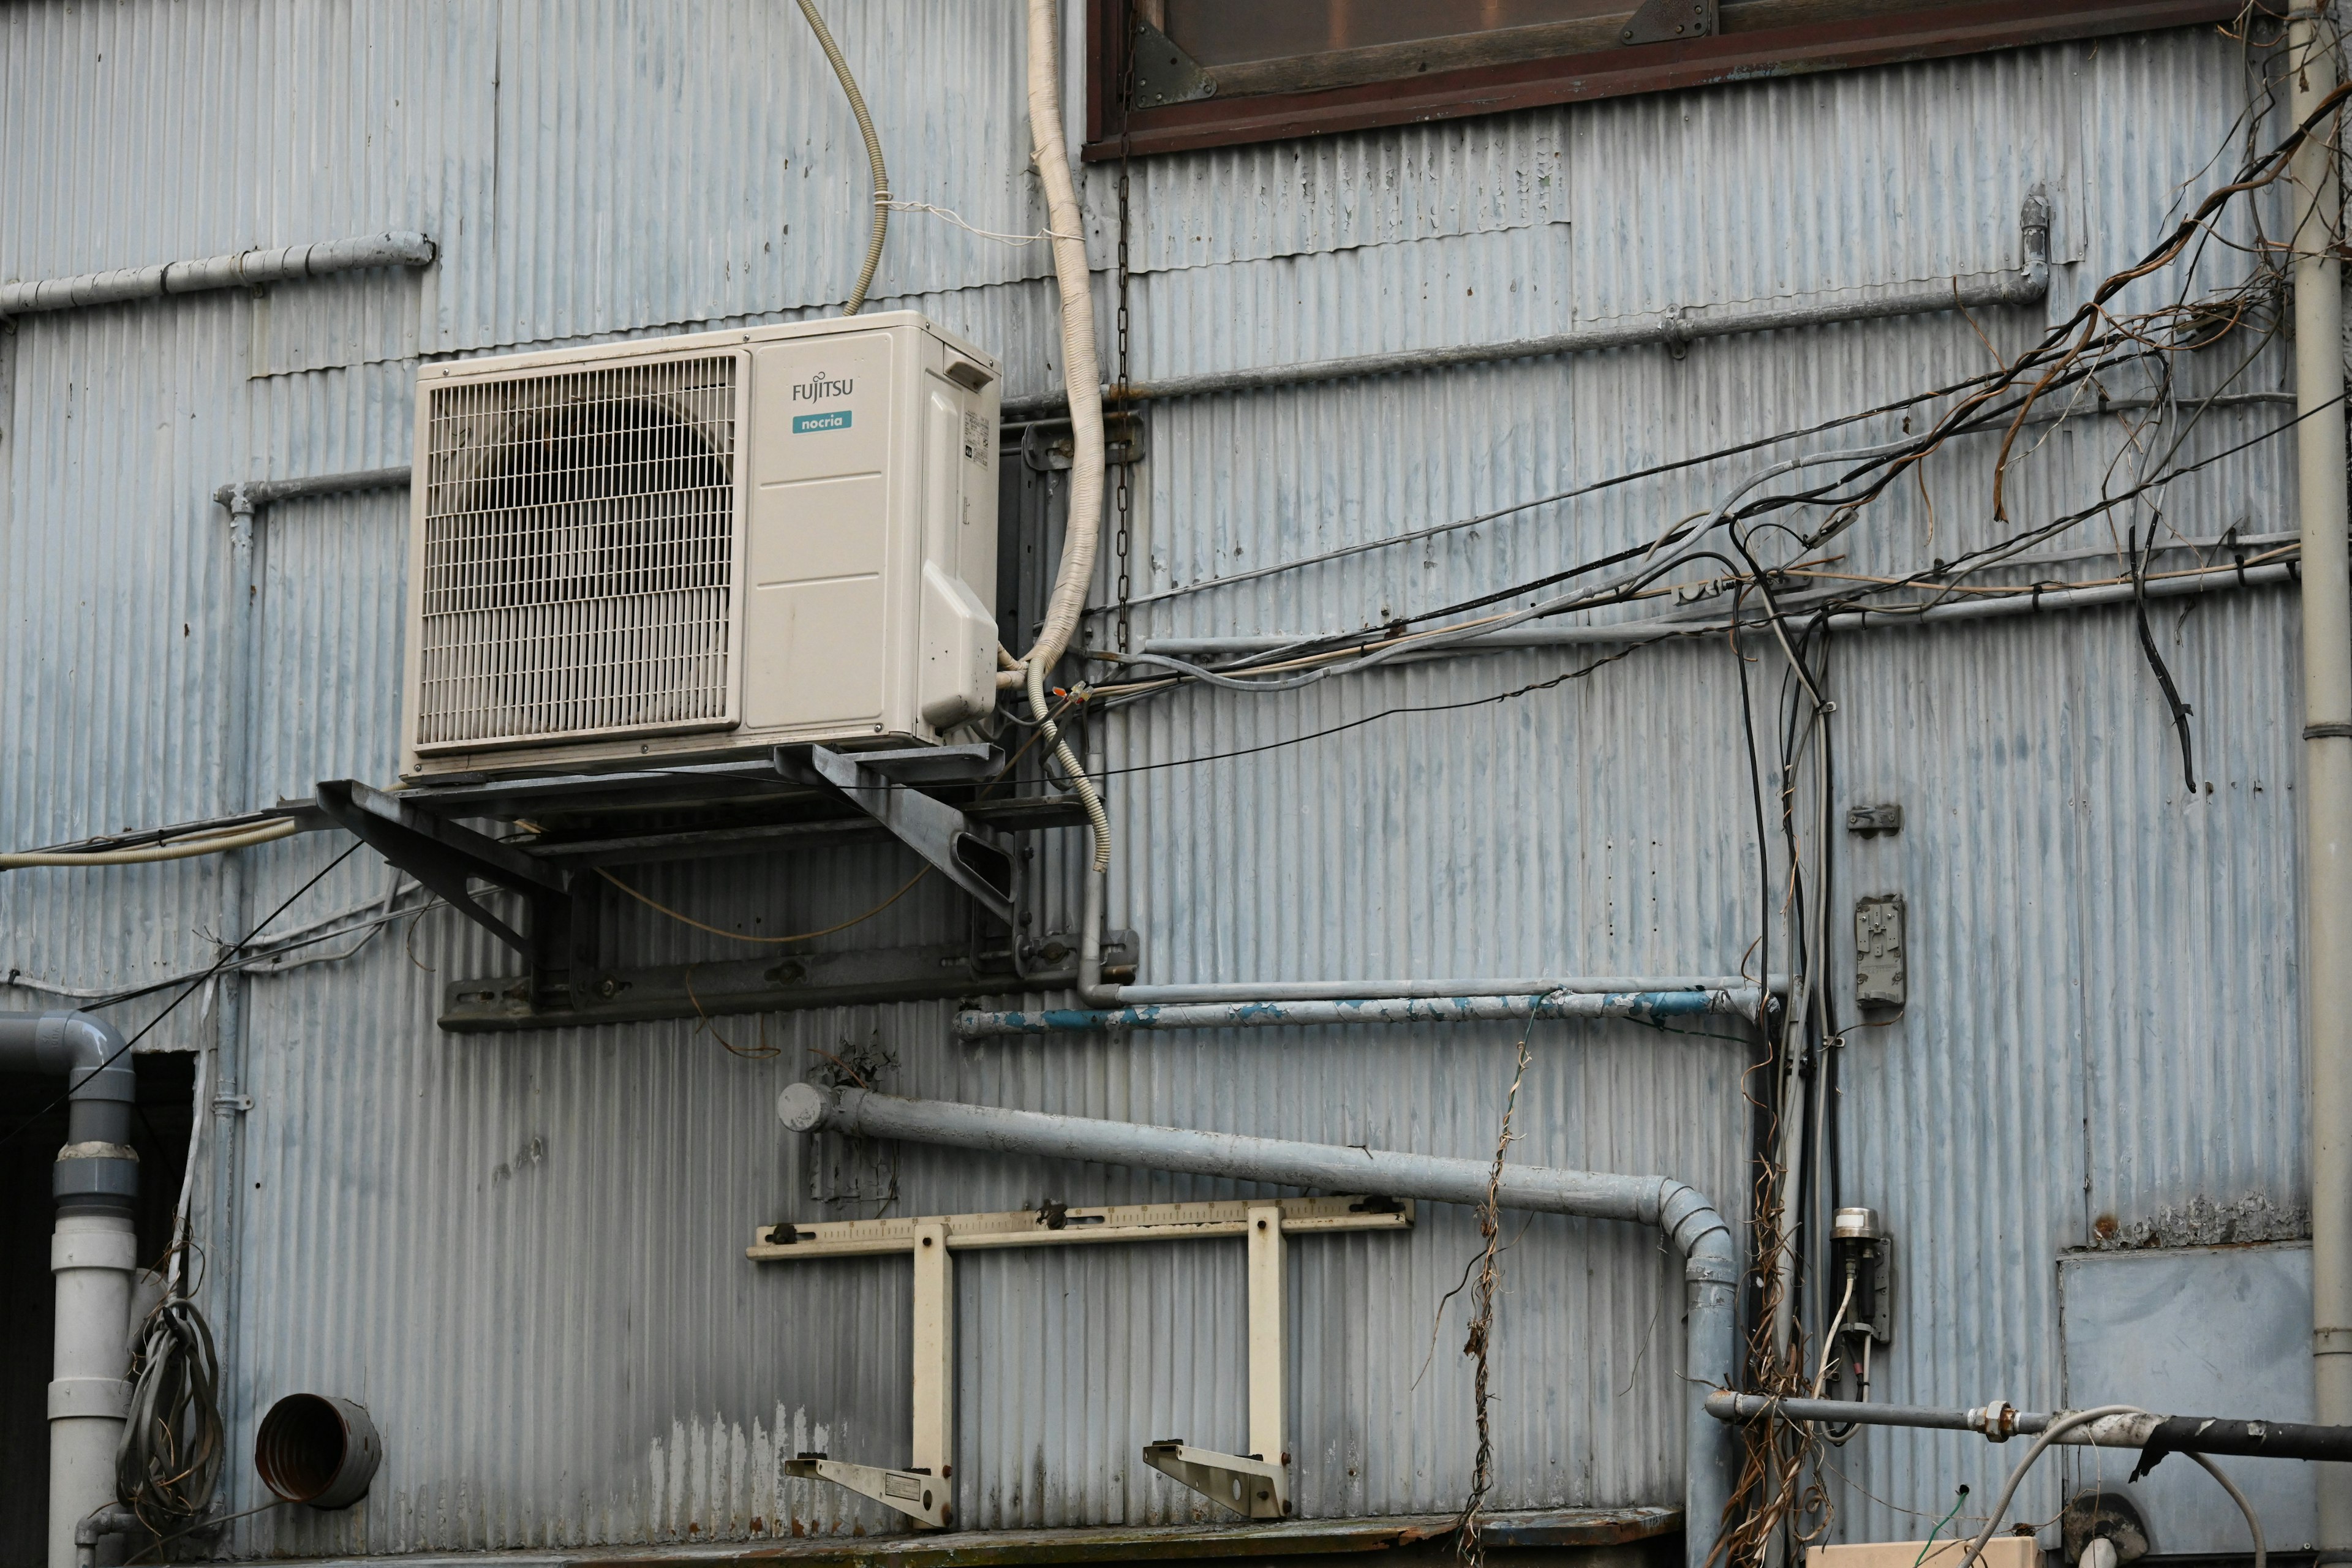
(820, 385)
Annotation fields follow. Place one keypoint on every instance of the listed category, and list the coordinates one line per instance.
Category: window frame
(1862, 37)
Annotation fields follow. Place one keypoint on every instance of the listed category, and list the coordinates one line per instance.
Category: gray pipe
(1262, 1010)
(246, 268)
(260, 493)
(101, 1090)
(1710, 1267)
(1348, 990)
(2026, 284)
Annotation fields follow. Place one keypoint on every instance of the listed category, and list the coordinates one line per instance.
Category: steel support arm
(1711, 1262)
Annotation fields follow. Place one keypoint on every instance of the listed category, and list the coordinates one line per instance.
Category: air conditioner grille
(579, 572)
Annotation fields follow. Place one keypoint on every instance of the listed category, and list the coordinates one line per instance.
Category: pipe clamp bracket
(107, 1398)
(2327, 732)
(115, 1250)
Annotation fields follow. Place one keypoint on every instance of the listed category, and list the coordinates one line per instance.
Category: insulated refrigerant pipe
(2168, 1434)
(1267, 1012)
(93, 1253)
(2326, 749)
(1710, 1262)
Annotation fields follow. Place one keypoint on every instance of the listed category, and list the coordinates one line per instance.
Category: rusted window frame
(1752, 51)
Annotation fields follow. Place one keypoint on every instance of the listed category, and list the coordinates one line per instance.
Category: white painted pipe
(2326, 750)
(94, 1257)
(93, 1252)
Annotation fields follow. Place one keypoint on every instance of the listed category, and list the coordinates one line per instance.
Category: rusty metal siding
(524, 1253)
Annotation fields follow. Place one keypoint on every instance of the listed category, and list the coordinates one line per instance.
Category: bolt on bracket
(1248, 1486)
(915, 1493)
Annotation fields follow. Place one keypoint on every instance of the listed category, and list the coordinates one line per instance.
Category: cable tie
(2327, 732)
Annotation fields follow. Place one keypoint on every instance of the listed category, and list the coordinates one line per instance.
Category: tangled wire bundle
(169, 1462)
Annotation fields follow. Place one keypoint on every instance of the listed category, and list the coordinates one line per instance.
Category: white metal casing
(702, 545)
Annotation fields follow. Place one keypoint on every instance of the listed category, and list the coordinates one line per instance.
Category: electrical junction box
(1881, 969)
(698, 547)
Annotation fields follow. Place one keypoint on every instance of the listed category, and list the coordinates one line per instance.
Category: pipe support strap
(105, 1398)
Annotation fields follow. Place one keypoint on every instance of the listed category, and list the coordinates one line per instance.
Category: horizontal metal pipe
(1648, 1006)
(245, 268)
(1342, 989)
(2168, 1434)
(1710, 1261)
(1651, 630)
(263, 492)
(2027, 284)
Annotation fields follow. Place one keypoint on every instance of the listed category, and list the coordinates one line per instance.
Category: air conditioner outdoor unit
(700, 546)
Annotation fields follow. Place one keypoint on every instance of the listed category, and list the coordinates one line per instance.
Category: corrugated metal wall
(523, 1252)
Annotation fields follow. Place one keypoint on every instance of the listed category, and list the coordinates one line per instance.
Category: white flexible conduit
(1081, 375)
(872, 156)
(182, 849)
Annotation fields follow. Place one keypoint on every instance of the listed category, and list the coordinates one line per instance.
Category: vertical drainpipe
(230, 1099)
(2326, 754)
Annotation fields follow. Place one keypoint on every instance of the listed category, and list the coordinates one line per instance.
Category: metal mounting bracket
(449, 858)
(1255, 1486)
(1250, 1487)
(880, 785)
(1670, 21)
(915, 1493)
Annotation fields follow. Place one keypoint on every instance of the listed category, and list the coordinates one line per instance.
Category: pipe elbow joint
(86, 1051)
(1698, 1233)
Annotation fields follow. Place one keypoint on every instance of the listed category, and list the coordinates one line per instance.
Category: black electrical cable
(218, 964)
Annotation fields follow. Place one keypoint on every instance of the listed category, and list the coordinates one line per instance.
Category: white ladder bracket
(915, 1493)
(1250, 1487)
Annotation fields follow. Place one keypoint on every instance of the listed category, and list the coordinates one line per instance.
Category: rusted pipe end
(316, 1449)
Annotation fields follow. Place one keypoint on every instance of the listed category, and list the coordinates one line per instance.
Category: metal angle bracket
(449, 858)
(883, 785)
(915, 1493)
(1670, 21)
(1248, 1486)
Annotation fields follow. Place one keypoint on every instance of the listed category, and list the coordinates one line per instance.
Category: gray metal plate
(2219, 1331)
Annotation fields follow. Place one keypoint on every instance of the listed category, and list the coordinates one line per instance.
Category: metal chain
(1122, 494)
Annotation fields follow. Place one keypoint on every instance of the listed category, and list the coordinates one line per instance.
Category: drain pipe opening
(316, 1449)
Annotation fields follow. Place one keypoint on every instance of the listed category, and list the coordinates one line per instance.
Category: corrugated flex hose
(872, 156)
(168, 1464)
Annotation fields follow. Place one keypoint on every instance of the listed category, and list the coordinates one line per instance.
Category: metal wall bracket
(879, 785)
(449, 857)
(1670, 21)
(918, 1494)
(1253, 1486)
(1250, 1487)
(1164, 73)
(803, 797)
(1048, 446)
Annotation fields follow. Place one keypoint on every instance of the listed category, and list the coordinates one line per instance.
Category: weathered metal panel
(2139, 1327)
(524, 1253)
